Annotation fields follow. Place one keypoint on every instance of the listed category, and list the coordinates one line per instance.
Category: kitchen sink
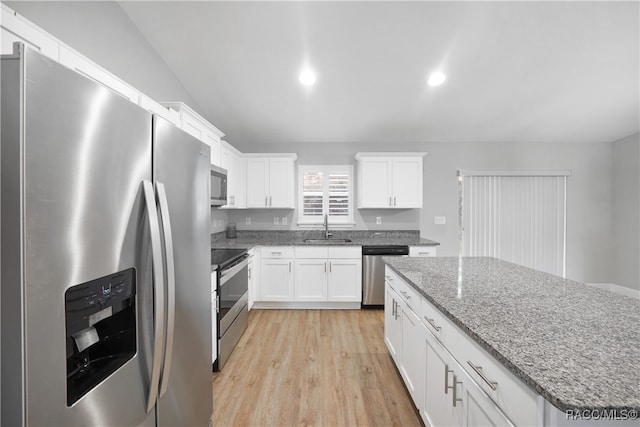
(327, 241)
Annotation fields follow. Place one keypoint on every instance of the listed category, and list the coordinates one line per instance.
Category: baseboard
(622, 290)
(292, 305)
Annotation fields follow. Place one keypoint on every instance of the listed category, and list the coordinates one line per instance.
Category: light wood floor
(312, 367)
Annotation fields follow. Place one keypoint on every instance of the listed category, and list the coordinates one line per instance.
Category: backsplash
(315, 234)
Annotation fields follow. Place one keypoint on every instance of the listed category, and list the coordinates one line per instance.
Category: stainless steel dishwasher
(373, 272)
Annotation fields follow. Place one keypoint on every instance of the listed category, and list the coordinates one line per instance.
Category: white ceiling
(516, 71)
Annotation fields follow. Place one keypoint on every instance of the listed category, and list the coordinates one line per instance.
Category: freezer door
(79, 216)
(181, 171)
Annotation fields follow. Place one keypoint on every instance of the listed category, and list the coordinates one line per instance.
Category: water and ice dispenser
(101, 330)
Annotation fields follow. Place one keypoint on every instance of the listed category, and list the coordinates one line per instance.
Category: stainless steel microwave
(218, 186)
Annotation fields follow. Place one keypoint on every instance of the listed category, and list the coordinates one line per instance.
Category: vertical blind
(515, 216)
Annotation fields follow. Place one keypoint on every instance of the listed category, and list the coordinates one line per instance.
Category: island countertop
(576, 345)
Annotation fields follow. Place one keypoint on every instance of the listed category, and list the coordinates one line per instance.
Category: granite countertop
(249, 239)
(576, 345)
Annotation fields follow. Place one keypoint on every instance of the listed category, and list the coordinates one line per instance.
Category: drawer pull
(433, 323)
(479, 371)
(406, 295)
(446, 378)
(455, 398)
(276, 253)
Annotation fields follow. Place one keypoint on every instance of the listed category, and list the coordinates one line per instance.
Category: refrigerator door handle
(159, 296)
(171, 286)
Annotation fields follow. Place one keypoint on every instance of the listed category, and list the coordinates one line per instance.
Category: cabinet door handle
(390, 201)
(270, 204)
(394, 200)
(329, 266)
(406, 295)
(478, 370)
(455, 398)
(266, 199)
(393, 308)
(397, 312)
(289, 266)
(249, 273)
(325, 266)
(433, 323)
(446, 378)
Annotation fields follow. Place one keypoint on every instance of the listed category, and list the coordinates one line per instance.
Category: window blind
(325, 190)
(515, 216)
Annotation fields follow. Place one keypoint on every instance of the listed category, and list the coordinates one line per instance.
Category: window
(325, 190)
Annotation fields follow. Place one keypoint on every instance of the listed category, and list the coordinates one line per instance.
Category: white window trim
(309, 223)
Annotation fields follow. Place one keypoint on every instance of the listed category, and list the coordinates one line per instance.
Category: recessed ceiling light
(307, 77)
(436, 78)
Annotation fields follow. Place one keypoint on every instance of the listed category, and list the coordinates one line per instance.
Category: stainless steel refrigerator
(105, 292)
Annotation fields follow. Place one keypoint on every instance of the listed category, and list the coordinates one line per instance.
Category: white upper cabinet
(270, 181)
(195, 125)
(232, 160)
(389, 180)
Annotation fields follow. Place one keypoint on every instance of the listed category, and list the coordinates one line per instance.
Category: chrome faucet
(327, 233)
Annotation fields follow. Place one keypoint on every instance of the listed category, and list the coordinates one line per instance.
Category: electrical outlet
(284, 220)
(378, 220)
(440, 220)
(276, 220)
(247, 220)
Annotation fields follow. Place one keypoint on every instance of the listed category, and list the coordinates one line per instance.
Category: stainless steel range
(232, 310)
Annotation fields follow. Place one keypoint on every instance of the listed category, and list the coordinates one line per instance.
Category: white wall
(589, 204)
(589, 197)
(626, 212)
(101, 31)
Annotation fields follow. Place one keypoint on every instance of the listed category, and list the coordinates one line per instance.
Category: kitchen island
(574, 345)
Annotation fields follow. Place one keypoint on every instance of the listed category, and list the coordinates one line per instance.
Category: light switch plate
(284, 220)
(276, 220)
(247, 220)
(440, 220)
(378, 220)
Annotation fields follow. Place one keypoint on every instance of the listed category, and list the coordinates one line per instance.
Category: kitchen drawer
(513, 397)
(408, 295)
(352, 252)
(439, 325)
(422, 251)
(311, 252)
(276, 252)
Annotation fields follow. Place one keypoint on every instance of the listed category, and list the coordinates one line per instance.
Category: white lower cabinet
(328, 274)
(478, 408)
(276, 274)
(253, 271)
(310, 280)
(392, 323)
(433, 357)
(276, 280)
(451, 397)
(344, 282)
(413, 355)
(440, 406)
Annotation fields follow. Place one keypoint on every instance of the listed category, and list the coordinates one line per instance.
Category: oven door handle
(226, 275)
